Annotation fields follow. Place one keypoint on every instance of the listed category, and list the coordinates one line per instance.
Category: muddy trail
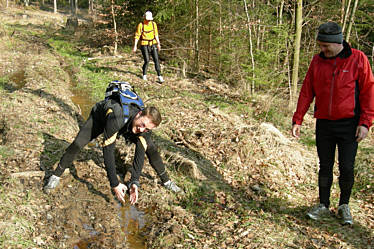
(242, 186)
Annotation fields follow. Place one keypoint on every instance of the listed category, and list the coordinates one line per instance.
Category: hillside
(247, 184)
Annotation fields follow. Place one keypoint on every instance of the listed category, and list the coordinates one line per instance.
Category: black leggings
(329, 134)
(91, 130)
(146, 50)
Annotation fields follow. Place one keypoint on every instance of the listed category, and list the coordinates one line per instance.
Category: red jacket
(343, 87)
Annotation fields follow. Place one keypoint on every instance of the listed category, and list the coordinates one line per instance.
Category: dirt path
(38, 121)
(243, 186)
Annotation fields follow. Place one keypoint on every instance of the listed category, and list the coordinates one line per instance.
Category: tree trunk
(220, 36)
(372, 57)
(346, 15)
(258, 34)
(287, 63)
(55, 6)
(210, 41)
(197, 59)
(351, 21)
(72, 7)
(342, 12)
(115, 30)
(296, 57)
(76, 6)
(90, 7)
(281, 13)
(250, 48)
(279, 22)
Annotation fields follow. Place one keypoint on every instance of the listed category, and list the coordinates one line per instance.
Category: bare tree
(91, 6)
(281, 12)
(250, 48)
(115, 29)
(348, 34)
(296, 57)
(76, 6)
(55, 6)
(73, 8)
(346, 14)
(372, 57)
(342, 12)
(197, 59)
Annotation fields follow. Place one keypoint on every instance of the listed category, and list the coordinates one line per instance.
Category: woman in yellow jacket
(147, 33)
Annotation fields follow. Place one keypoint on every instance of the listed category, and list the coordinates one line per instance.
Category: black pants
(329, 134)
(146, 50)
(91, 130)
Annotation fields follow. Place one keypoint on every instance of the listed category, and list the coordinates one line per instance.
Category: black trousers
(329, 135)
(91, 130)
(146, 50)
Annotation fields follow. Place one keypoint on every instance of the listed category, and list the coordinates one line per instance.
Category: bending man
(107, 117)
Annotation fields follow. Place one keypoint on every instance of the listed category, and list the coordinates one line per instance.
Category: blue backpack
(123, 92)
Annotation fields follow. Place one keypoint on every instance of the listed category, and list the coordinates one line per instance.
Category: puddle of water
(81, 99)
(132, 223)
(85, 244)
(19, 78)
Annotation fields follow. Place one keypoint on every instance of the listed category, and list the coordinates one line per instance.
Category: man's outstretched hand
(133, 194)
(120, 192)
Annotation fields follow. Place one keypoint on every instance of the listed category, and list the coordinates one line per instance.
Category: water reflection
(85, 244)
(132, 222)
(81, 99)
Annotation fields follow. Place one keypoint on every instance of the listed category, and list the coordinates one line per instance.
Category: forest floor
(247, 184)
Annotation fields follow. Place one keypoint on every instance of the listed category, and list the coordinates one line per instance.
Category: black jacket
(109, 115)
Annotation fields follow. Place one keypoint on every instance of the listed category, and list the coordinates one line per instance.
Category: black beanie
(330, 32)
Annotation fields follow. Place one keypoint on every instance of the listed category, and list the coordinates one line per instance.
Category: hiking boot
(53, 182)
(160, 79)
(170, 185)
(145, 77)
(344, 214)
(318, 212)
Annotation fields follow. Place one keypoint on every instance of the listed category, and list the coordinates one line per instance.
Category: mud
(39, 118)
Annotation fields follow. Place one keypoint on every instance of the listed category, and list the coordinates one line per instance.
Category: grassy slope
(246, 185)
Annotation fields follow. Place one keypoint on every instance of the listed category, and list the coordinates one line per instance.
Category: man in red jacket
(342, 83)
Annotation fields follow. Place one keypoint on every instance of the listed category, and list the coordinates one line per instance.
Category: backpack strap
(153, 30)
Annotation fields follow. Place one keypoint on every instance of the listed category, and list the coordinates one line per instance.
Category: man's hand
(133, 194)
(134, 49)
(159, 47)
(361, 133)
(120, 192)
(296, 130)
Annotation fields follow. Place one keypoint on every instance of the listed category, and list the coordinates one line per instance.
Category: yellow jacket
(147, 33)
